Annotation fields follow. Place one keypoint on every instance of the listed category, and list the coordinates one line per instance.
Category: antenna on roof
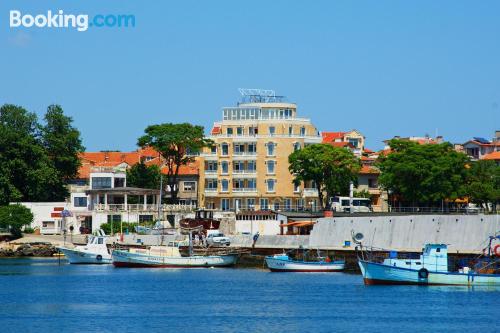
(259, 95)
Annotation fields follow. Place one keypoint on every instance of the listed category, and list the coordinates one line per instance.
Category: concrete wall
(264, 227)
(271, 242)
(463, 233)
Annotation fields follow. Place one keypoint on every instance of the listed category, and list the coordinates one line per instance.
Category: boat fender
(423, 273)
(496, 250)
(98, 257)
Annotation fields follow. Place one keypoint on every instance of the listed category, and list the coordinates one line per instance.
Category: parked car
(217, 238)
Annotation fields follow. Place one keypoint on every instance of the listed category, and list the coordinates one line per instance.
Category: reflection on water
(41, 295)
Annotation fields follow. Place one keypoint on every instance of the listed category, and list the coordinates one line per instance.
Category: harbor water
(48, 295)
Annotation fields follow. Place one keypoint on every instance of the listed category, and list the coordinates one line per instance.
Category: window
(276, 205)
(224, 204)
(101, 182)
(372, 183)
(225, 149)
(225, 185)
(119, 182)
(251, 166)
(272, 130)
(290, 130)
(80, 201)
(229, 131)
(270, 185)
(225, 167)
(270, 149)
(300, 204)
(238, 183)
(210, 166)
(354, 142)
(213, 149)
(302, 131)
(252, 183)
(253, 131)
(211, 184)
(296, 146)
(189, 186)
(114, 218)
(270, 167)
(237, 204)
(251, 203)
(238, 166)
(239, 149)
(145, 218)
(288, 204)
(239, 130)
(264, 204)
(252, 148)
(296, 188)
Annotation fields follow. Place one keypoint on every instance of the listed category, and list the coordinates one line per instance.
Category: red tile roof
(215, 130)
(341, 144)
(368, 170)
(113, 159)
(331, 136)
(492, 156)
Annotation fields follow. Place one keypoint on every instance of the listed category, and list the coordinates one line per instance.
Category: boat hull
(282, 265)
(376, 273)
(127, 259)
(79, 257)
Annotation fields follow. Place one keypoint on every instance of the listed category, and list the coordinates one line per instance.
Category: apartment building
(247, 169)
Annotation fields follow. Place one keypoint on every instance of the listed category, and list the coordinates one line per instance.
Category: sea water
(49, 295)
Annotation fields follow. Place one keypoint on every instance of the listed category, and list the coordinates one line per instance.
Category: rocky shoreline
(28, 250)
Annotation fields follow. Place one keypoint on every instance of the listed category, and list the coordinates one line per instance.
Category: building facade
(247, 168)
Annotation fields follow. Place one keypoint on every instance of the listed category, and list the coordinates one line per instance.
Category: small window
(272, 130)
(438, 249)
(189, 186)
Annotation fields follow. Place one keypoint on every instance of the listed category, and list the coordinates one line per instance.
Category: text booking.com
(80, 22)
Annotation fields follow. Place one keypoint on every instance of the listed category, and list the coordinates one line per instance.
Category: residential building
(494, 156)
(478, 147)
(418, 139)
(247, 169)
(353, 140)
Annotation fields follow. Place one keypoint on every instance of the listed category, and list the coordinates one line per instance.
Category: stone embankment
(27, 250)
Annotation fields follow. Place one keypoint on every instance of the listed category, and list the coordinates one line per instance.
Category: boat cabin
(434, 258)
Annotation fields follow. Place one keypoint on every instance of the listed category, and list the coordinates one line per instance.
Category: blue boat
(283, 263)
(430, 268)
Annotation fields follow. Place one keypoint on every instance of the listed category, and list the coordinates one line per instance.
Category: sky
(385, 68)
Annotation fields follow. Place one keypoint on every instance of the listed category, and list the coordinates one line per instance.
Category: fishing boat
(430, 268)
(170, 256)
(284, 263)
(94, 252)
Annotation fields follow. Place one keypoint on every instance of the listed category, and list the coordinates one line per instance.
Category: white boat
(168, 256)
(431, 268)
(283, 263)
(95, 252)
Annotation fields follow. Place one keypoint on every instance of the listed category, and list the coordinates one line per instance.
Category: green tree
(423, 174)
(331, 168)
(177, 144)
(483, 183)
(25, 168)
(63, 145)
(15, 217)
(362, 194)
(143, 176)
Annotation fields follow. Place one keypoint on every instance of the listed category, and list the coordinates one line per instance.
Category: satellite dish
(357, 237)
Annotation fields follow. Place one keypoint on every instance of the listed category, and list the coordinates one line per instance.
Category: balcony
(310, 192)
(244, 173)
(244, 191)
(211, 173)
(210, 192)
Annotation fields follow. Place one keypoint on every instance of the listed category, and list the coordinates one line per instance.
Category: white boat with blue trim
(430, 268)
(94, 252)
(283, 263)
(169, 256)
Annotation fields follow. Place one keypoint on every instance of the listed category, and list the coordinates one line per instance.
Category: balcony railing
(245, 189)
(244, 153)
(211, 190)
(240, 172)
(310, 191)
(211, 172)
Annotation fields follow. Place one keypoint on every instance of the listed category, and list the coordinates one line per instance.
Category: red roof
(366, 169)
(495, 156)
(113, 159)
(368, 151)
(341, 144)
(216, 130)
(331, 136)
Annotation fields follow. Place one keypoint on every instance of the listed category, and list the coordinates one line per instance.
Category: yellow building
(247, 169)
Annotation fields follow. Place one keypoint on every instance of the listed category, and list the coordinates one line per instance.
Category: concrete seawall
(463, 233)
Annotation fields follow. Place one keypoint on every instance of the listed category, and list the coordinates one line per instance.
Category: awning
(298, 224)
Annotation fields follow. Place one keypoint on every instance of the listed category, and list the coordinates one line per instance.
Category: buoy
(496, 250)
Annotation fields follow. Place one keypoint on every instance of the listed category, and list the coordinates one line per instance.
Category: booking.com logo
(80, 22)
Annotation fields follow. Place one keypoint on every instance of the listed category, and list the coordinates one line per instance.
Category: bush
(15, 217)
(125, 225)
(28, 230)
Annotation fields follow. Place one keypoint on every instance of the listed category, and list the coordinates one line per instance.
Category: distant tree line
(37, 159)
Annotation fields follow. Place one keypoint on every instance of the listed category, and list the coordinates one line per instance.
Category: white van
(359, 205)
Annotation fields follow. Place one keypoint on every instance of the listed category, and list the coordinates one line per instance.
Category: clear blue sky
(383, 67)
